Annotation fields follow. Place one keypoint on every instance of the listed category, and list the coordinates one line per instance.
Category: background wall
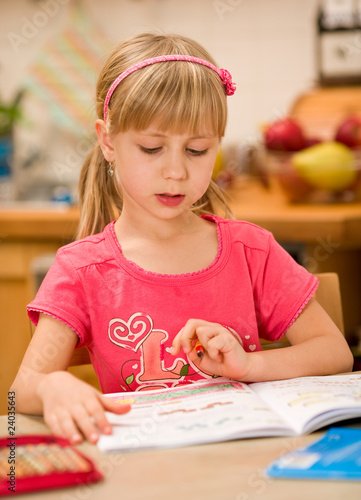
(267, 45)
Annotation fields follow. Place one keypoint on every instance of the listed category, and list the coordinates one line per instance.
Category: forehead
(155, 132)
(173, 107)
(202, 126)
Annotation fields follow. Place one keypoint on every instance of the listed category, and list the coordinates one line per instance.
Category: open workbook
(221, 410)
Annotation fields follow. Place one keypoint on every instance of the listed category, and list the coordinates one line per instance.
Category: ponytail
(213, 202)
(99, 198)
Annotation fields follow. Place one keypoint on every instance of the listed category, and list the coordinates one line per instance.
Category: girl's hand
(223, 353)
(73, 408)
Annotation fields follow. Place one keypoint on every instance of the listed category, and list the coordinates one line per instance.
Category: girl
(141, 291)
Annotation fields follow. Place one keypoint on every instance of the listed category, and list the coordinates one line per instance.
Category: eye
(197, 152)
(149, 151)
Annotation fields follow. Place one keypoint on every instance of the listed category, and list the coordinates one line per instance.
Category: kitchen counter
(34, 222)
(338, 224)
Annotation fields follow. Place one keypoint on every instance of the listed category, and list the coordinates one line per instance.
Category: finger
(112, 406)
(201, 344)
(197, 359)
(185, 339)
(53, 422)
(196, 336)
(205, 334)
(62, 424)
(86, 423)
(96, 411)
(115, 406)
(215, 340)
(220, 345)
(187, 335)
(176, 344)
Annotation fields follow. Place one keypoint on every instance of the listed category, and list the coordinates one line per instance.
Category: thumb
(176, 344)
(115, 406)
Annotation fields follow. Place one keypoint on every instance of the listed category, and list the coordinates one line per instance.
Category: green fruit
(328, 166)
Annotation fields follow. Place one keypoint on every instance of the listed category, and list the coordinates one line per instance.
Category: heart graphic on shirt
(132, 333)
(252, 347)
(247, 337)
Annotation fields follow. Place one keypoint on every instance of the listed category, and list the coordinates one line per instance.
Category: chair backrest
(80, 357)
(328, 295)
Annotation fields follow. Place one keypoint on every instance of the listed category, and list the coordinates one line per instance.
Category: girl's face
(161, 173)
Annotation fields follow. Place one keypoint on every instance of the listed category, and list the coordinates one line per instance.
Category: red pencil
(199, 349)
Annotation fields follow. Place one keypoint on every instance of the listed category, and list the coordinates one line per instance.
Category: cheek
(201, 183)
(134, 180)
(207, 170)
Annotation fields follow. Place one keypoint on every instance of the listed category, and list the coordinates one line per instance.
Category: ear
(105, 140)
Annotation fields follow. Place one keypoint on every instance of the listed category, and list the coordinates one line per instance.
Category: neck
(130, 226)
(183, 245)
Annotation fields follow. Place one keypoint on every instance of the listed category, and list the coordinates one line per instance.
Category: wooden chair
(80, 357)
(328, 295)
(80, 366)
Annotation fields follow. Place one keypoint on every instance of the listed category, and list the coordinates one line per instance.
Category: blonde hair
(178, 96)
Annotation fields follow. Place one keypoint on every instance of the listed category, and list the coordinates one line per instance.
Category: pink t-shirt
(127, 317)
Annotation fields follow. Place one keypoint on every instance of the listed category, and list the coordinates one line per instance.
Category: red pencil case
(39, 462)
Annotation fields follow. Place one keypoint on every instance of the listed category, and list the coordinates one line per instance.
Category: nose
(175, 166)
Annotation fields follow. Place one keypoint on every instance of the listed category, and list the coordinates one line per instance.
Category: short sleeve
(61, 295)
(282, 288)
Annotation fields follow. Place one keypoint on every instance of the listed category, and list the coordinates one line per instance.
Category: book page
(203, 412)
(308, 403)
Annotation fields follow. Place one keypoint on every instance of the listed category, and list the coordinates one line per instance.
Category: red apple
(284, 135)
(295, 187)
(312, 141)
(349, 132)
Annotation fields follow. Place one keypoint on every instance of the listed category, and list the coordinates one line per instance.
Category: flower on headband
(227, 81)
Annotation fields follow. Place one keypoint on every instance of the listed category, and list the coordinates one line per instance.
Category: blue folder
(336, 456)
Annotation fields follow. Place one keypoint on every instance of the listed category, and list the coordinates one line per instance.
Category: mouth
(170, 200)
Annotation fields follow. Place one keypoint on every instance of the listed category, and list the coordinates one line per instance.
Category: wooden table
(222, 471)
(329, 235)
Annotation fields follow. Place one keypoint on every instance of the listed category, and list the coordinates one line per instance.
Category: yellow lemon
(328, 166)
(218, 165)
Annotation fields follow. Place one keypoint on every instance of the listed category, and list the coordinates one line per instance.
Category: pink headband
(223, 74)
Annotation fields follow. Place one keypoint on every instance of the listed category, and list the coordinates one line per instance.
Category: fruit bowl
(313, 169)
(333, 185)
